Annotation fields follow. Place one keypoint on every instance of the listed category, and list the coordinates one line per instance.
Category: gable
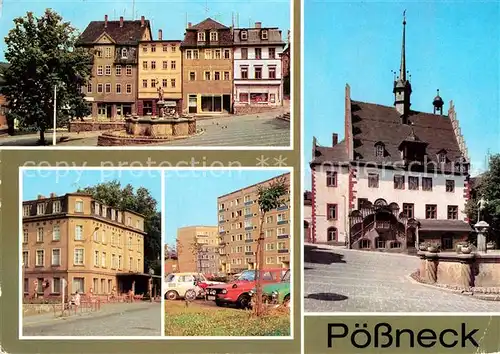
(104, 39)
(146, 36)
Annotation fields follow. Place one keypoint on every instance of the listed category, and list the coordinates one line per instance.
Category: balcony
(285, 250)
(248, 240)
(249, 254)
(283, 207)
(248, 215)
(282, 222)
(248, 203)
(248, 228)
(283, 236)
(222, 221)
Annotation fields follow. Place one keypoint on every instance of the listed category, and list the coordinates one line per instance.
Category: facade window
(244, 35)
(173, 48)
(208, 54)
(145, 65)
(153, 83)
(272, 72)
(165, 65)
(207, 75)
(39, 235)
(25, 236)
(145, 48)
(189, 54)
(413, 183)
(164, 83)
(243, 97)
(217, 75)
(196, 54)
(452, 212)
(258, 53)
(153, 65)
(364, 243)
(227, 76)
(108, 70)
(331, 211)
(450, 185)
(103, 260)
(426, 184)
(244, 73)
(79, 232)
(373, 179)
(331, 179)
(128, 68)
(40, 258)
(379, 150)
(118, 70)
(40, 209)
(108, 52)
(26, 259)
(217, 54)
(124, 53)
(244, 53)
(172, 83)
(26, 210)
(258, 72)
(213, 36)
(227, 54)
(56, 257)
(331, 234)
(89, 87)
(263, 34)
(201, 36)
(153, 48)
(431, 211)
(118, 88)
(408, 210)
(165, 48)
(100, 88)
(107, 88)
(100, 70)
(272, 53)
(192, 76)
(56, 233)
(98, 53)
(129, 88)
(144, 83)
(399, 182)
(442, 157)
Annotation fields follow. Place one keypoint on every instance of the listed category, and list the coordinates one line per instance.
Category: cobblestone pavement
(339, 280)
(248, 130)
(138, 319)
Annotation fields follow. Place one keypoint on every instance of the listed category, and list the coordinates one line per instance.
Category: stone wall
(248, 109)
(78, 126)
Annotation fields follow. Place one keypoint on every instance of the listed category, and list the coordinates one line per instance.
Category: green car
(275, 293)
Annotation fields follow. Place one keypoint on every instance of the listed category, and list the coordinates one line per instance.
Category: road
(138, 319)
(246, 130)
(339, 280)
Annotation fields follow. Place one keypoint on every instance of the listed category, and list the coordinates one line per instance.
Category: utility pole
(55, 116)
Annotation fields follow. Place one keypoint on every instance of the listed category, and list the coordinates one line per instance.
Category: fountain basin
(149, 130)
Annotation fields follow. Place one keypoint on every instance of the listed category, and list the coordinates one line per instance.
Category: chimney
(105, 21)
(121, 21)
(335, 139)
(53, 195)
(288, 37)
(189, 24)
(142, 21)
(258, 24)
(160, 34)
(40, 197)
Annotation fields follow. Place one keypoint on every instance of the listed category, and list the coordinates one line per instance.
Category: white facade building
(257, 68)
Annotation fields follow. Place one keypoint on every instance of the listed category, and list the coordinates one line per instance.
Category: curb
(333, 248)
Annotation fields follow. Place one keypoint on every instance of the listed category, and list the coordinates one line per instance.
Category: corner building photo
(397, 179)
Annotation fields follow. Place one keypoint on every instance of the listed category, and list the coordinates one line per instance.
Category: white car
(185, 285)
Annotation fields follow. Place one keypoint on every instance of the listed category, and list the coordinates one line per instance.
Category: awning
(443, 225)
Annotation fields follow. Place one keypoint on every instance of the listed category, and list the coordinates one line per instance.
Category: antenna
(133, 10)
(186, 20)
(207, 10)
(238, 19)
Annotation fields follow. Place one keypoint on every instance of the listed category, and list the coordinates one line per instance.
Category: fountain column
(481, 229)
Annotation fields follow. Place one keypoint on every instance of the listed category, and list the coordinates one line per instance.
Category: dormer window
(124, 53)
(244, 35)
(213, 36)
(442, 157)
(263, 34)
(379, 149)
(201, 36)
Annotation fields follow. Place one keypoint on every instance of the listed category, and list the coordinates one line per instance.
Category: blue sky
(453, 46)
(44, 182)
(170, 16)
(191, 195)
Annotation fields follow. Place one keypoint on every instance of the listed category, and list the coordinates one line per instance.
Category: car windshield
(248, 275)
(286, 276)
(170, 278)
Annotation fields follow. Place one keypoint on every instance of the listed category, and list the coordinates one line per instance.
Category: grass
(199, 320)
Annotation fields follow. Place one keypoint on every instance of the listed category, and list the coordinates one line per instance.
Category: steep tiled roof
(129, 34)
(225, 38)
(373, 123)
(254, 36)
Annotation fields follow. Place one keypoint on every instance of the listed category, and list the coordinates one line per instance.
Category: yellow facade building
(198, 249)
(160, 68)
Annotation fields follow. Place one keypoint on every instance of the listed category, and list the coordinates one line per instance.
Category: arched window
(124, 52)
(331, 234)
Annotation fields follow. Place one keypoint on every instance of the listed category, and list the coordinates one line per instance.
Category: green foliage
(489, 189)
(140, 201)
(198, 320)
(42, 55)
(271, 197)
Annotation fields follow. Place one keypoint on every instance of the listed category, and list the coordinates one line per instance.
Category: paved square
(339, 280)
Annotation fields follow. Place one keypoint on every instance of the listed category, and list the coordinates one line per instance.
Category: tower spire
(402, 69)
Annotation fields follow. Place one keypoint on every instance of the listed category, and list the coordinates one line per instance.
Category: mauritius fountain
(167, 125)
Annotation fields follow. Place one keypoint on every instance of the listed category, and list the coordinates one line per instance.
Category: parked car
(275, 293)
(177, 285)
(237, 291)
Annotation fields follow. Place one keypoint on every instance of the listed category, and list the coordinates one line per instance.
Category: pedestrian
(77, 300)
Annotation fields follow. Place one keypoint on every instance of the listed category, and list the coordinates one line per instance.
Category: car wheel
(219, 303)
(243, 301)
(286, 301)
(171, 295)
(190, 295)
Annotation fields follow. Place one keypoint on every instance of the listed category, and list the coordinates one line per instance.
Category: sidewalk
(106, 310)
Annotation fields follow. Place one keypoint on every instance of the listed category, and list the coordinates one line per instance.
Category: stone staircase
(285, 116)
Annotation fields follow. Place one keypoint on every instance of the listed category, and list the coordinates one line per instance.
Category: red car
(237, 292)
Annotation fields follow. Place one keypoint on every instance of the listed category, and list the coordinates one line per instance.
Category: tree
(270, 198)
(139, 201)
(197, 249)
(42, 56)
(488, 187)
